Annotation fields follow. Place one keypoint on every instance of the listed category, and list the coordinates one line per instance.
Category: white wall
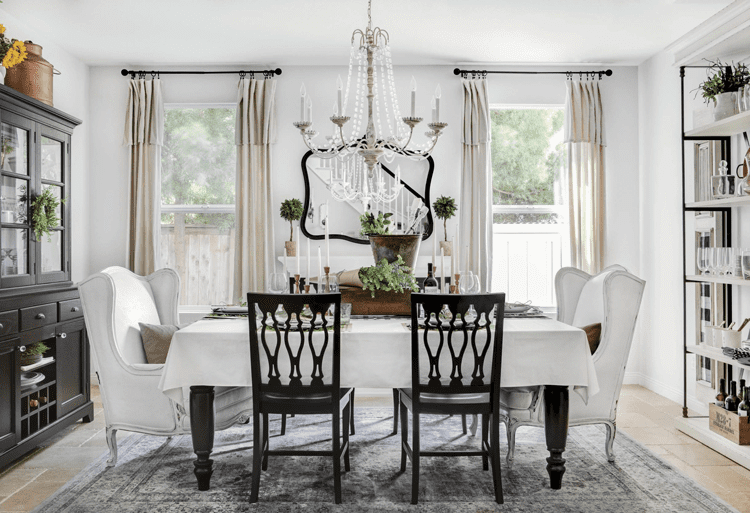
(71, 95)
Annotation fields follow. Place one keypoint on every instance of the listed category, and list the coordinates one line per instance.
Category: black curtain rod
(569, 74)
(142, 73)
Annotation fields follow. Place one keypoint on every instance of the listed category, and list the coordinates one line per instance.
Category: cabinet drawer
(8, 322)
(69, 309)
(36, 316)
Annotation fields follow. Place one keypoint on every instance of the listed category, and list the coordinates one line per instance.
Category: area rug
(154, 475)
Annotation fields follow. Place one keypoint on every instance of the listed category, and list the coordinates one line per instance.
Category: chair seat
(447, 403)
(518, 398)
(303, 403)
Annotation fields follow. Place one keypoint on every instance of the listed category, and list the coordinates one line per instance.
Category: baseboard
(673, 394)
(632, 378)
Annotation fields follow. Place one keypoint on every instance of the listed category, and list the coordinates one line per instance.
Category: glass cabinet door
(53, 176)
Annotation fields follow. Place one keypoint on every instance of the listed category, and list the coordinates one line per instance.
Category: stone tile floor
(644, 415)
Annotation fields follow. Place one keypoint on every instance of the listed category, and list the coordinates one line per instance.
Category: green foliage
(726, 78)
(44, 215)
(38, 348)
(291, 210)
(199, 158)
(524, 161)
(385, 277)
(371, 225)
(445, 208)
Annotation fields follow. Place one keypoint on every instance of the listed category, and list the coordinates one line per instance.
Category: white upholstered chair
(114, 302)
(612, 298)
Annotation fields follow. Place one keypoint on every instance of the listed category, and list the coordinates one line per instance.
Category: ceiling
(317, 32)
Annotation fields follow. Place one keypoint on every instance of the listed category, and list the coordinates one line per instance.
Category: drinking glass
(333, 284)
(723, 261)
(701, 260)
(346, 313)
(466, 282)
(278, 283)
(746, 264)
(712, 260)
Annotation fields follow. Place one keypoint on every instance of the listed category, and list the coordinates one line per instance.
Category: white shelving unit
(726, 127)
(697, 427)
(729, 280)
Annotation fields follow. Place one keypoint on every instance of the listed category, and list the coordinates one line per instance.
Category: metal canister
(32, 77)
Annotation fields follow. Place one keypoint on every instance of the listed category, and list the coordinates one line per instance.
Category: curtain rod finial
(278, 71)
(608, 72)
(124, 72)
(456, 71)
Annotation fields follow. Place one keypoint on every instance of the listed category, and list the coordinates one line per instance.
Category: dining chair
(295, 365)
(460, 344)
(611, 298)
(114, 302)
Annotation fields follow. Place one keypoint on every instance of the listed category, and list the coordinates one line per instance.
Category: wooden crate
(729, 425)
(384, 303)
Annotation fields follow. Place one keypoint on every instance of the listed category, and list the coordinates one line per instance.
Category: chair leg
(511, 428)
(264, 466)
(463, 423)
(347, 415)
(415, 458)
(336, 441)
(474, 424)
(495, 448)
(485, 439)
(404, 433)
(283, 424)
(609, 444)
(111, 435)
(395, 410)
(351, 410)
(258, 437)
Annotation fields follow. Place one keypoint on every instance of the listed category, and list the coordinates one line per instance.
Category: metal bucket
(391, 246)
(33, 77)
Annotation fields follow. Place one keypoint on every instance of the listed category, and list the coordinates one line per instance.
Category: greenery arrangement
(724, 78)
(384, 276)
(36, 349)
(445, 208)
(371, 225)
(291, 210)
(44, 215)
(12, 51)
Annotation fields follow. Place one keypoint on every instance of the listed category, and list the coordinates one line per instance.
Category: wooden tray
(384, 303)
(729, 425)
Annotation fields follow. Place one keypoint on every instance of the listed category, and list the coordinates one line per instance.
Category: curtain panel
(255, 132)
(475, 198)
(584, 133)
(144, 134)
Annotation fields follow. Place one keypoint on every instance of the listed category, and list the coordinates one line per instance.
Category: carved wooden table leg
(556, 431)
(202, 430)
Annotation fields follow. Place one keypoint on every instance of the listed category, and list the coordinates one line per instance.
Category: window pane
(52, 252)
(51, 159)
(528, 156)
(14, 154)
(198, 173)
(14, 254)
(13, 200)
(57, 193)
(527, 218)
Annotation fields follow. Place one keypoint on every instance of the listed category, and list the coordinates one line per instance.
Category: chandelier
(359, 174)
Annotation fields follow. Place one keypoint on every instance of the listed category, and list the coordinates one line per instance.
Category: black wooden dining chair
(297, 344)
(458, 343)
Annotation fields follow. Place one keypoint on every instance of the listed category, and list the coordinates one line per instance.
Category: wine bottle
(732, 401)
(430, 283)
(721, 396)
(741, 390)
(743, 409)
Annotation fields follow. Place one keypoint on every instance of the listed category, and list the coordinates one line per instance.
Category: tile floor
(644, 415)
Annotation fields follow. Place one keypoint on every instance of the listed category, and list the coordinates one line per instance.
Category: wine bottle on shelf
(732, 400)
(743, 409)
(741, 390)
(721, 396)
(430, 284)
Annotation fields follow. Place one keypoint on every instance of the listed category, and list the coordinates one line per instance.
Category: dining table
(376, 353)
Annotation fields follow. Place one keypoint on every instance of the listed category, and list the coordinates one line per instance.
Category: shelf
(43, 362)
(25, 392)
(715, 354)
(38, 409)
(726, 127)
(707, 278)
(698, 429)
(719, 203)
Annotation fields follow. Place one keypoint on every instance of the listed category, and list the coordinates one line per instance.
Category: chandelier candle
(339, 96)
(302, 104)
(437, 104)
(413, 97)
(434, 109)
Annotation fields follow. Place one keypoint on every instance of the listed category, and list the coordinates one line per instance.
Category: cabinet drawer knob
(22, 349)
(1, 326)
(41, 316)
(63, 335)
(74, 309)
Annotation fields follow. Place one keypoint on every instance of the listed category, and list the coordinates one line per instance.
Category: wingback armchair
(114, 302)
(612, 298)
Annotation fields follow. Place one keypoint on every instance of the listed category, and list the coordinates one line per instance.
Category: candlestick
(327, 287)
(320, 271)
(437, 103)
(413, 97)
(299, 249)
(296, 283)
(302, 102)
(307, 289)
(455, 277)
(339, 95)
(309, 253)
(328, 240)
(442, 270)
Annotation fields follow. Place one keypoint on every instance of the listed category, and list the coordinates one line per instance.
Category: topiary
(445, 208)
(291, 210)
(371, 225)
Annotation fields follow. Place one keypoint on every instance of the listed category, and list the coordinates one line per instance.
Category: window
(197, 200)
(528, 193)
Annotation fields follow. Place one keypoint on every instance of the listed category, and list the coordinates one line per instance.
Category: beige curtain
(475, 200)
(255, 132)
(144, 133)
(584, 133)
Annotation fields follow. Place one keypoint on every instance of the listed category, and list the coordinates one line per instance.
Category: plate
(231, 310)
(515, 309)
(31, 378)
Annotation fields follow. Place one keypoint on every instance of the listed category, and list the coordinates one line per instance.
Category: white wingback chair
(612, 298)
(114, 302)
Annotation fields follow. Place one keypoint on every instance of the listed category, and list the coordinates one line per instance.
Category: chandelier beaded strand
(375, 93)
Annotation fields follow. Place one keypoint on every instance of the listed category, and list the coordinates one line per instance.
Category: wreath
(44, 215)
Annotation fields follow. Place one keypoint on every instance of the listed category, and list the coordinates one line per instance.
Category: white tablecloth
(376, 353)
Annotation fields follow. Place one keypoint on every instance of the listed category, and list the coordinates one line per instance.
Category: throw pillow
(156, 340)
(593, 335)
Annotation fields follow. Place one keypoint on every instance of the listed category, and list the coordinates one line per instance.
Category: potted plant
(386, 245)
(386, 289)
(12, 51)
(291, 210)
(445, 208)
(44, 214)
(33, 353)
(721, 87)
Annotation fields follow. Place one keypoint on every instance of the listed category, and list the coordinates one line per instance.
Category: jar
(32, 77)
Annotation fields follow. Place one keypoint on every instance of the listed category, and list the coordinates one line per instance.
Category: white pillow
(590, 307)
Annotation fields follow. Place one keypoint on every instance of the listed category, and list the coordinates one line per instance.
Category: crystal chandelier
(358, 173)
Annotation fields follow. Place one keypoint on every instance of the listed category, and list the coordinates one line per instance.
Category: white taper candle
(299, 249)
(413, 97)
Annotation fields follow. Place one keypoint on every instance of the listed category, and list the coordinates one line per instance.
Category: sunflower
(2, 28)
(16, 54)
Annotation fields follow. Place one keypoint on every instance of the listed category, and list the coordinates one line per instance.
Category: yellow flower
(2, 28)
(16, 54)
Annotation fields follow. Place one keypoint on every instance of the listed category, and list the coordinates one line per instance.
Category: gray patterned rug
(155, 475)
